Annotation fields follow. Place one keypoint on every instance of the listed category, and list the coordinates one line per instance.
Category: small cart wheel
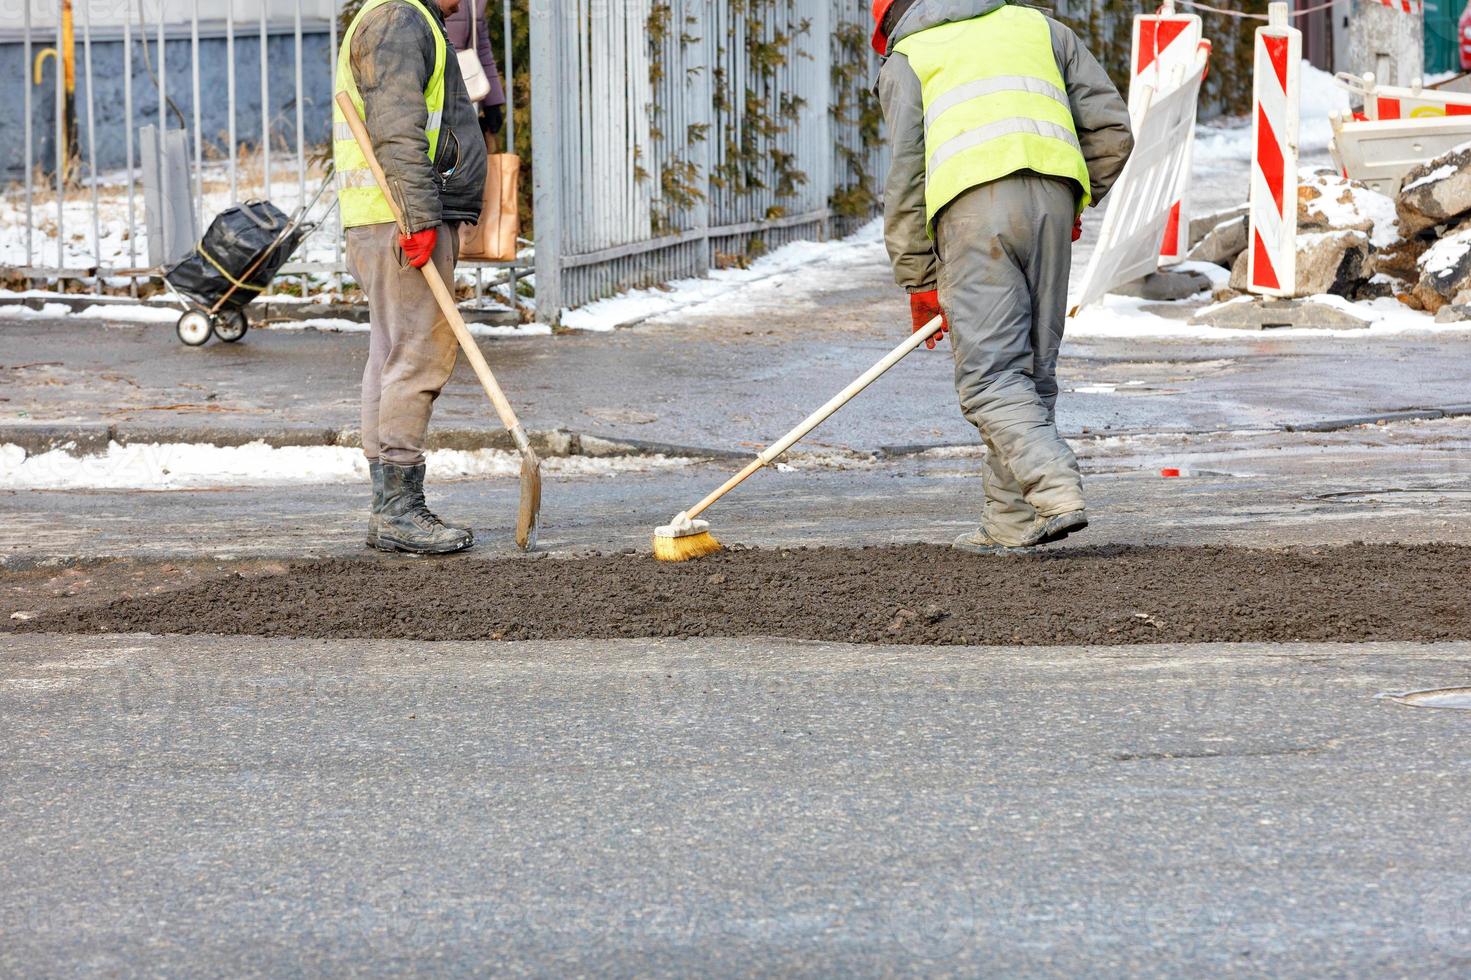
(194, 328)
(231, 326)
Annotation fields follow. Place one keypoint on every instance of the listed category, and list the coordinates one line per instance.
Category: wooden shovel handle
(770, 454)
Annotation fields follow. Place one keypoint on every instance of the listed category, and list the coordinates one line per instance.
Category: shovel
(529, 514)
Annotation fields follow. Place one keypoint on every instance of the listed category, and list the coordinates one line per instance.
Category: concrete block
(1255, 314)
(1166, 285)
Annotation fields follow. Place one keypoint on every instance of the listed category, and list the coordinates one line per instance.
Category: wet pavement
(714, 380)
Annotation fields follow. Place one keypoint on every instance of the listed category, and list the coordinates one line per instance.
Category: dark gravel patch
(911, 594)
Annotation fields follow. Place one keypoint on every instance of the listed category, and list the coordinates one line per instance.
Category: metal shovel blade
(529, 514)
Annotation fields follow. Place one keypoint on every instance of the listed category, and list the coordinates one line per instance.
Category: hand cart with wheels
(235, 261)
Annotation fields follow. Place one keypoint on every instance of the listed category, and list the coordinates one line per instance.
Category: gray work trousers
(1005, 248)
(411, 348)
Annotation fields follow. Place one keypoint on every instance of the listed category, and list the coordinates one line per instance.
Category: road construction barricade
(1379, 152)
(1385, 102)
(1165, 48)
(1140, 203)
(1272, 223)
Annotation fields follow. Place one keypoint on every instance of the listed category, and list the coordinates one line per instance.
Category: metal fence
(247, 83)
(673, 135)
(667, 136)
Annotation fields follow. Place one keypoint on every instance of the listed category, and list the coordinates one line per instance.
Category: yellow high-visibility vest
(994, 103)
(358, 196)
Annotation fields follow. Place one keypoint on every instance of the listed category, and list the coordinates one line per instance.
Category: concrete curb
(82, 439)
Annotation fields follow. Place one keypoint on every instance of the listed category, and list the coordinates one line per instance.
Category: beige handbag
(470, 67)
(494, 238)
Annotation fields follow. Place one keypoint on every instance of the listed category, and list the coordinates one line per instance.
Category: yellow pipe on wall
(41, 56)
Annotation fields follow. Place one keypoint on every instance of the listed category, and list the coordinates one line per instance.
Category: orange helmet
(880, 42)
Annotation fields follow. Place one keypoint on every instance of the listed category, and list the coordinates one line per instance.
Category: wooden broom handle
(437, 285)
(772, 452)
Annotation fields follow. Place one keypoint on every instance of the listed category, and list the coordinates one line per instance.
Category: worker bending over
(1002, 129)
(398, 68)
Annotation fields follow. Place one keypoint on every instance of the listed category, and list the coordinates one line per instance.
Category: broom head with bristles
(684, 539)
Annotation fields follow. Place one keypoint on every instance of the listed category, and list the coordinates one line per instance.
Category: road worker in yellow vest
(1002, 129)
(397, 66)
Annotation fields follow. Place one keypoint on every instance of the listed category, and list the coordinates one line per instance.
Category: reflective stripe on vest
(359, 199)
(995, 103)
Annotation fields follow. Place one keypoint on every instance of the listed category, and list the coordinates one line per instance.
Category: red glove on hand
(924, 307)
(1077, 227)
(419, 247)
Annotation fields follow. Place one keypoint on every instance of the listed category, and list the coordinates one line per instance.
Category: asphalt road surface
(211, 806)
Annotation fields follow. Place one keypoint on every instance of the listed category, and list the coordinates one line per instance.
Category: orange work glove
(924, 307)
(1077, 227)
(419, 247)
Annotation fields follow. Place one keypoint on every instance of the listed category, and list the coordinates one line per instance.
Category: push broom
(529, 514)
(685, 537)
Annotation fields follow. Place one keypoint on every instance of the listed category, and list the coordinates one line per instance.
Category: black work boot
(407, 524)
(375, 516)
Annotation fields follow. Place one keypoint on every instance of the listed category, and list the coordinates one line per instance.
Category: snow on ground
(1125, 316)
(338, 325)
(1345, 208)
(25, 312)
(130, 313)
(725, 285)
(70, 238)
(173, 466)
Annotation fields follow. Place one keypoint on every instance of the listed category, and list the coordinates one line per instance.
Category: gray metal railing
(670, 135)
(250, 79)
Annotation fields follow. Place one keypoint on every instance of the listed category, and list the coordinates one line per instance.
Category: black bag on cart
(229, 252)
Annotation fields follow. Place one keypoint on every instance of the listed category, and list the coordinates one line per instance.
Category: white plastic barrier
(1380, 152)
(1383, 102)
(1272, 231)
(1164, 53)
(1144, 194)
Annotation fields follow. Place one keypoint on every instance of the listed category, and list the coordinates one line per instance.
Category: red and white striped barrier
(1399, 102)
(1272, 254)
(1404, 6)
(1164, 55)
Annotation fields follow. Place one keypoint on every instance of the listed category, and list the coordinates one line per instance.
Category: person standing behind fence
(398, 68)
(467, 25)
(1002, 129)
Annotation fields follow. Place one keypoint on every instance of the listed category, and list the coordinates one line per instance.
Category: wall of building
(106, 80)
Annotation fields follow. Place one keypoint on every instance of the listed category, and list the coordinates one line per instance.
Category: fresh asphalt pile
(915, 594)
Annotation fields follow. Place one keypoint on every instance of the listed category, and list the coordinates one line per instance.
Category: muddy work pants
(1005, 248)
(411, 348)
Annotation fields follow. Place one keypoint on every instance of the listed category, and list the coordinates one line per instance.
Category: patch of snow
(340, 325)
(129, 313)
(1320, 97)
(1379, 208)
(1439, 173)
(173, 466)
(638, 305)
(1124, 316)
(1219, 277)
(19, 312)
(1444, 255)
(1361, 204)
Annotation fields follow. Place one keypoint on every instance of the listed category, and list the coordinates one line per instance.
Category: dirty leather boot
(375, 516)
(978, 542)
(407, 524)
(1046, 530)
